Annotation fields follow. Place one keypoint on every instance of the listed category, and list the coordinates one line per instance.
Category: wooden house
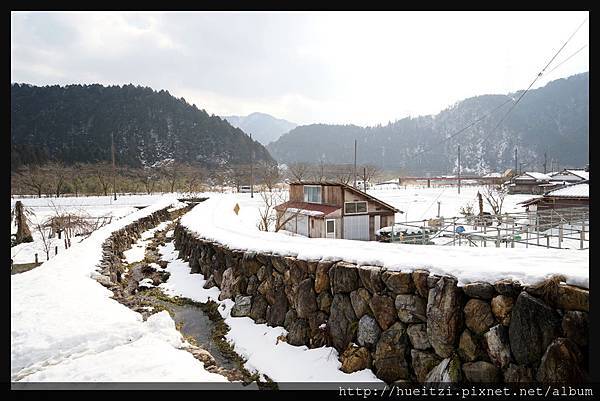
(528, 183)
(334, 210)
(574, 195)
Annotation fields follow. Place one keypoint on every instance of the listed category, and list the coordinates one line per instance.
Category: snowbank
(66, 327)
(215, 220)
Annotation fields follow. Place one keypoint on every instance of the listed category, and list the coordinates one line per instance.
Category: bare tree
(56, 174)
(271, 218)
(494, 196)
(103, 174)
(45, 239)
(269, 174)
(299, 171)
(371, 172)
(32, 177)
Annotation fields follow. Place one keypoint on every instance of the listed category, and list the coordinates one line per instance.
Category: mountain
(74, 123)
(552, 119)
(263, 127)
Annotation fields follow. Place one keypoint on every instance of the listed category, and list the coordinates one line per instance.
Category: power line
(567, 59)
(533, 82)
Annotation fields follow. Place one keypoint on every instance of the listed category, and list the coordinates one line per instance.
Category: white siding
(356, 227)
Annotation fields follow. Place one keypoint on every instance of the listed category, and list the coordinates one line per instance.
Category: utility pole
(545, 162)
(516, 162)
(355, 163)
(112, 147)
(365, 178)
(252, 168)
(459, 169)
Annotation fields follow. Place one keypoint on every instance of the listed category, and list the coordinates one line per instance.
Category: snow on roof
(579, 190)
(493, 175)
(580, 173)
(535, 175)
(487, 264)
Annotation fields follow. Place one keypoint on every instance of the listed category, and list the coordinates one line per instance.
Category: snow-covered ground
(66, 327)
(215, 220)
(258, 343)
(92, 206)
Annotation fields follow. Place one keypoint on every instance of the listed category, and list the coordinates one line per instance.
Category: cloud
(343, 67)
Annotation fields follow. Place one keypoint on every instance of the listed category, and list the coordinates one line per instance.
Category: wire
(532, 83)
(567, 59)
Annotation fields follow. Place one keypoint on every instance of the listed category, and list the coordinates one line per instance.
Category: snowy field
(66, 327)
(215, 220)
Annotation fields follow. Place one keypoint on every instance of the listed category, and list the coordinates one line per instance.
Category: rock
(575, 326)
(508, 287)
(266, 289)
(398, 282)
(290, 317)
(299, 333)
(227, 284)
(444, 316)
(447, 371)
(250, 264)
(481, 372)
(417, 334)
(383, 310)
(469, 346)
(306, 301)
(252, 285)
(342, 322)
(420, 279)
(311, 267)
(278, 264)
(432, 280)
(533, 326)
(317, 320)
(572, 298)
(322, 277)
(276, 312)
(561, 363)
(482, 290)
(411, 308)
(354, 359)
(478, 316)
(324, 301)
(242, 307)
(360, 299)
(422, 363)
(502, 307)
(343, 278)
(370, 276)
(391, 354)
(497, 345)
(263, 273)
(368, 331)
(210, 283)
(518, 374)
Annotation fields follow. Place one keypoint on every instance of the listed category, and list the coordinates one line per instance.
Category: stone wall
(405, 326)
(121, 240)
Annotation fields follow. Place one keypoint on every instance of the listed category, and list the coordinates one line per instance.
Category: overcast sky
(363, 68)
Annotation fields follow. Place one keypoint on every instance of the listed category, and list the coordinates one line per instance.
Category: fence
(555, 228)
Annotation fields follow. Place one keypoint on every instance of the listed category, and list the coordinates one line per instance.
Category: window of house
(330, 226)
(312, 193)
(355, 207)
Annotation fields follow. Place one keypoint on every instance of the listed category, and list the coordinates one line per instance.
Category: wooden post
(560, 235)
(537, 227)
(582, 235)
(424, 221)
(547, 241)
(454, 231)
(438, 213)
(66, 246)
(498, 238)
(512, 241)
(36, 258)
(526, 236)
(56, 250)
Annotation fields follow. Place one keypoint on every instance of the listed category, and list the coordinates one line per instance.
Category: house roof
(534, 175)
(349, 188)
(579, 190)
(305, 208)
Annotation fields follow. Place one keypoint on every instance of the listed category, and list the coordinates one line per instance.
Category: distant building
(334, 210)
(570, 176)
(572, 195)
(528, 183)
